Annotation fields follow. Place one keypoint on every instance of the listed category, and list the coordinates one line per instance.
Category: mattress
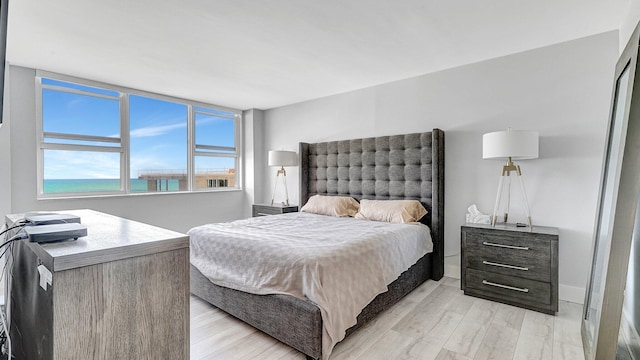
(340, 264)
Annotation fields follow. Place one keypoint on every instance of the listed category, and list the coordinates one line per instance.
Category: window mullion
(191, 147)
(215, 148)
(77, 147)
(212, 154)
(216, 114)
(237, 128)
(78, 92)
(63, 136)
(125, 168)
(40, 137)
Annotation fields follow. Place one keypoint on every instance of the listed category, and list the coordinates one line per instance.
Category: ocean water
(91, 185)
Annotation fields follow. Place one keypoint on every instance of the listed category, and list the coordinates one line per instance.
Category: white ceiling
(264, 54)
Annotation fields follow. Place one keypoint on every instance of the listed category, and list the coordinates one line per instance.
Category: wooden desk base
(135, 308)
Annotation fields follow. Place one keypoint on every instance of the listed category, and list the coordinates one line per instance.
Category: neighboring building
(213, 178)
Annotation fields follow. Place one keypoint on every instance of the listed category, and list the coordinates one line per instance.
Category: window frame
(124, 140)
(194, 152)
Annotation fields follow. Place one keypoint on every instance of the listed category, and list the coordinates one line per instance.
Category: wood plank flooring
(435, 322)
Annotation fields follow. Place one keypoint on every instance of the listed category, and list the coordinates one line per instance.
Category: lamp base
(275, 187)
(507, 169)
(494, 222)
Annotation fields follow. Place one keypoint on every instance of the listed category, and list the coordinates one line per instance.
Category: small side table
(275, 209)
(512, 265)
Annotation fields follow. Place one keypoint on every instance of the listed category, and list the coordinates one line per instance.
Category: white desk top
(109, 238)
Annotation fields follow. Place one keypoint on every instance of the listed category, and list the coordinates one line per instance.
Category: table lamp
(510, 145)
(282, 158)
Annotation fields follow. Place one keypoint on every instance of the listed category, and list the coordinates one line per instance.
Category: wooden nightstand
(266, 209)
(513, 265)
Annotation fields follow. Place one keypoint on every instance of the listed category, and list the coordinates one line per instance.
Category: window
(158, 145)
(214, 148)
(81, 146)
(101, 139)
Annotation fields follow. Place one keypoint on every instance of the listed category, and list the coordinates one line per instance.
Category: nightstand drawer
(528, 259)
(264, 210)
(534, 270)
(508, 288)
(517, 244)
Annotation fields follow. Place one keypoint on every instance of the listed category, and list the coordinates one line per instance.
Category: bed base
(296, 322)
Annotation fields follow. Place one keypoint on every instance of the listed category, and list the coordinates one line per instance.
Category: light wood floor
(435, 321)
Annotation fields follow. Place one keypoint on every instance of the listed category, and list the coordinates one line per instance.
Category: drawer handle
(263, 214)
(505, 246)
(525, 290)
(506, 266)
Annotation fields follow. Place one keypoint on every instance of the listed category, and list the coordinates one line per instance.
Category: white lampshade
(517, 144)
(283, 158)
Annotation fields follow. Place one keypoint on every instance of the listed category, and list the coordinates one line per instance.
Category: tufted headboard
(387, 167)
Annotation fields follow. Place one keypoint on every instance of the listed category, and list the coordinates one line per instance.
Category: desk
(121, 292)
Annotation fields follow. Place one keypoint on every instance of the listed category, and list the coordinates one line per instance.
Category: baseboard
(452, 266)
(565, 292)
(572, 294)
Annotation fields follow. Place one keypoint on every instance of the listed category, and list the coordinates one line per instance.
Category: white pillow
(394, 211)
(340, 206)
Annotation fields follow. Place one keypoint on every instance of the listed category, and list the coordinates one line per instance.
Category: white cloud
(81, 165)
(150, 131)
(156, 130)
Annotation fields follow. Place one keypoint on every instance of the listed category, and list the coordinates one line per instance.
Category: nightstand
(266, 209)
(512, 265)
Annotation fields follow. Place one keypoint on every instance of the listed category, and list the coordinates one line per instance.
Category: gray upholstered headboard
(387, 167)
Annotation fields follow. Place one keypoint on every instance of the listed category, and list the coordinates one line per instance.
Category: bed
(391, 167)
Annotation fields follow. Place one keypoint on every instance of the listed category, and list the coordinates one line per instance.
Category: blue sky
(158, 134)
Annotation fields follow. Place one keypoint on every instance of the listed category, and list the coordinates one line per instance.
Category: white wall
(629, 22)
(562, 91)
(179, 211)
(254, 158)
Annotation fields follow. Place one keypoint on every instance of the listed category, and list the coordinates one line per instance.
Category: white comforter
(340, 264)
